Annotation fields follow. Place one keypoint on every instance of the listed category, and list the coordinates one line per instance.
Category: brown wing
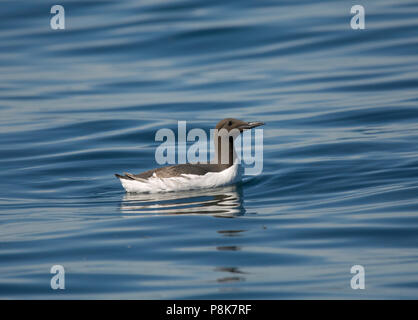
(175, 171)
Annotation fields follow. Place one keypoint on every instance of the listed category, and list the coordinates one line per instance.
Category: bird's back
(177, 170)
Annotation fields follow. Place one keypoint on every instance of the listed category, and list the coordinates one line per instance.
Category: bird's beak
(250, 125)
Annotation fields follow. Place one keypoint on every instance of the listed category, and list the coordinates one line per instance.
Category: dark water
(339, 185)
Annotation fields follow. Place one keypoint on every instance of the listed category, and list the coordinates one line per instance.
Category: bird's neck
(225, 154)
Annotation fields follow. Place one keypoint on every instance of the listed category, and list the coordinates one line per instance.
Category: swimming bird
(222, 170)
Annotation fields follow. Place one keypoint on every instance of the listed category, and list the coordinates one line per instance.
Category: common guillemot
(222, 170)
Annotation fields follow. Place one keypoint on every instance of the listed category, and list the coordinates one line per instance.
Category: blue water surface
(339, 184)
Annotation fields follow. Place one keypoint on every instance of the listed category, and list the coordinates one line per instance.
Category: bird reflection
(236, 275)
(231, 273)
(224, 202)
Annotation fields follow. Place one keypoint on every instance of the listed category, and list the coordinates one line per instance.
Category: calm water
(339, 185)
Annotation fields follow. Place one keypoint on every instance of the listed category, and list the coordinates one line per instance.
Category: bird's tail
(122, 177)
(129, 176)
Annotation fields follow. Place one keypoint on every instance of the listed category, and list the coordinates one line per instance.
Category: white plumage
(185, 181)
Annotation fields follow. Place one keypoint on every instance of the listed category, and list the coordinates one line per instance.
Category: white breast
(185, 181)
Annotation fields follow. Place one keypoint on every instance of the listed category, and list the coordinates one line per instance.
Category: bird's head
(233, 127)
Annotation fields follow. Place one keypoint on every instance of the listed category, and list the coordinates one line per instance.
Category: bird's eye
(230, 123)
